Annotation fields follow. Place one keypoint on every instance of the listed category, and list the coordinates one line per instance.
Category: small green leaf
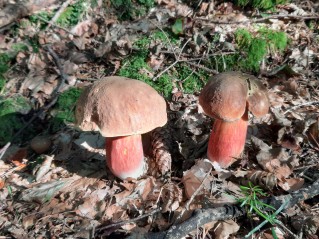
(177, 28)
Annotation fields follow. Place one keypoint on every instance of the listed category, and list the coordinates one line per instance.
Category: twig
(301, 105)
(4, 149)
(288, 17)
(203, 216)
(117, 224)
(194, 195)
(55, 93)
(17, 168)
(57, 62)
(197, 58)
(177, 60)
(202, 67)
(56, 26)
(286, 229)
(167, 38)
(58, 13)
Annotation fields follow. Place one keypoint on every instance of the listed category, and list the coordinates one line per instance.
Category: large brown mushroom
(228, 97)
(121, 109)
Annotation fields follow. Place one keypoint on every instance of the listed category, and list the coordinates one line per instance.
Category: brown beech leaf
(291, 184)
(268, 234)
(193, 178)
(225, 228)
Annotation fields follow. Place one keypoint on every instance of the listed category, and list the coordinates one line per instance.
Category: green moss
(36, 18)
(191, 81)
(136, 67)
(10, 116)
(69, 17)
(128, 10)
(64, 110)
(6, 58)
(223, 63)
(72, 14)
(4, 63)
(255, 47)
(260, 4)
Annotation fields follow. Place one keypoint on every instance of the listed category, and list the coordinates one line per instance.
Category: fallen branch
(58, 13)
(121, 223)
(203, 216)
(263, 19)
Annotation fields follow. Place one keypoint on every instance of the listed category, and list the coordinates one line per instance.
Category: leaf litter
(69, 193)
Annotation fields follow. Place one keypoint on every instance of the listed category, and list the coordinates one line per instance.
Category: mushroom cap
(226, 95)
(119, 106)
(258, 102)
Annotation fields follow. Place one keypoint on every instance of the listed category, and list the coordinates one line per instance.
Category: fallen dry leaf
(291, 184)
(193, 178)
(225, 228)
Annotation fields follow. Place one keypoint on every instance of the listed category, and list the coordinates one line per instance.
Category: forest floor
(54, 182)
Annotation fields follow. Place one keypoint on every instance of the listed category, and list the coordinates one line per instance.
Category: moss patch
(256, 47)
(11, 117)
(260, 4)
(63, 112)
(128, 10)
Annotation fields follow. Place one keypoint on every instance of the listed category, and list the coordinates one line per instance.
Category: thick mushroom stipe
(124, 156)
(227, 141)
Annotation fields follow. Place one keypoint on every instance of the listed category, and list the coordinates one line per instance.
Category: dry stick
(58, 13)
(4, 149)
(203, 216)
(169, 42)
(177, 60)
(117, 224)
(301, 105)
(289, 17)
(197, 58)
(202, 67)
(55, 93)
(56, 26)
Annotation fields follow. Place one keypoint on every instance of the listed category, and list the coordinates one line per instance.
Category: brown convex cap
(226, 95)
(119, 106)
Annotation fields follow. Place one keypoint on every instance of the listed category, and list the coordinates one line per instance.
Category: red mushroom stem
(227, 140)
(125, 156)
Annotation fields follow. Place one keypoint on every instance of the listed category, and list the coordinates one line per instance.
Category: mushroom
(121, 109)
(228, 97)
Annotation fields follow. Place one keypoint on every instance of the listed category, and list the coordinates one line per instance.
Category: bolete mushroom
(228, 97)
(121, 109)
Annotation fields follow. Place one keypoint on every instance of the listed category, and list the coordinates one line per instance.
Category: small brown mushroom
(121, 109)
(228, 97)
(40, 143)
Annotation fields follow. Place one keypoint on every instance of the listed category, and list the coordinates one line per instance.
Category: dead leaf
(225, 228)
(44, 167)
(193, 178)
(291, 184)
(172, 196)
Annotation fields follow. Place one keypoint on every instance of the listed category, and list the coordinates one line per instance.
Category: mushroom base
(124, 156)
(227, 141)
